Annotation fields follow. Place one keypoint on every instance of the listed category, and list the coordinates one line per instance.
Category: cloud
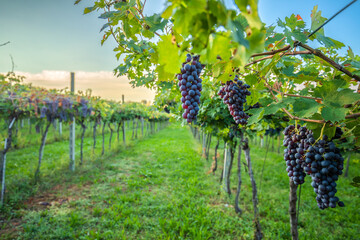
(102, 83)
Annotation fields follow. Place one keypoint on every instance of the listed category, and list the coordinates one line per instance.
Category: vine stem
(143, 6)
(269, 57)
(315, 52)
(322, 132)
(295, 95)
(298, 208)
(287, 47)
(3, 44)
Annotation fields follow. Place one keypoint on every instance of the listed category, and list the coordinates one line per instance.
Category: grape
(234, 95)
(326, 165)
(190, 86)
(295, 142)
(321, 160)
(43, 112)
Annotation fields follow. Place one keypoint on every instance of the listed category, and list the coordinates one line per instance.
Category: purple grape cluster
(321, 160)
(52, 109)
(85, 110)
(234, 95)
(190, 87)
(294, 142)
(324, 163)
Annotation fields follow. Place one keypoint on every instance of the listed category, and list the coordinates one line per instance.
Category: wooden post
(142, 127)
(258, 231)
(7, 145)
(123, 98)
(72, 129)
(237, 196)
(3, 169)
(227, 168)
(60, 128)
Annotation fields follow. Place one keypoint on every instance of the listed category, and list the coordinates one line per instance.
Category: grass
(158, 188)
(22, 163)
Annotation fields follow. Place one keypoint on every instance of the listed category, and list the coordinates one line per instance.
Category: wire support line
(331, 18)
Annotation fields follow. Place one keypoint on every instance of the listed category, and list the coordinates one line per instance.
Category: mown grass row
(158, 188)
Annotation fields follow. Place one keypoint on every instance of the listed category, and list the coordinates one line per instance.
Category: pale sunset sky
(50, 38)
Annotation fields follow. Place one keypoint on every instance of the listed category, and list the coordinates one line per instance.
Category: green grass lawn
(158, 188)
(22, 163)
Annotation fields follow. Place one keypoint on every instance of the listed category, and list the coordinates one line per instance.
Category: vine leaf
(89, 9)
(329, 113)
(109, 14)
(168, 12)
(317, 20)
(218, 45)
(257, 114)
(166, 51)
(304, 107)
(238, 32)
(155, 22)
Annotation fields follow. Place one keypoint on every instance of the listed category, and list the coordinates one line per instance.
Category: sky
(50, 38)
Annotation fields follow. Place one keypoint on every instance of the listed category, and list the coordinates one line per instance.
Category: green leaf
(218, 46)
(121, 70)
(183, 17)
(168, 12)
(273, 108)
(252, 16)
(166, 51)
(317, 20)
(332, 114)
(104, 26)
(289, 71)
(217, 69)
(340, 98)
(257, 114)
(251, 79)
(269, 64)
(271, 40)
(237, 32)
(351, 53)
(109, 14)
(155, 22)
(329, 88)
(304, 107)
(325, 40)
(355, 64)
(338, 44)
(89, 9)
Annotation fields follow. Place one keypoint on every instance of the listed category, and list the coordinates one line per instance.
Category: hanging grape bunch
(324, 163)
(190, 87)
(234, 95)
(321, 160)
(294, 153)
(85, 110)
